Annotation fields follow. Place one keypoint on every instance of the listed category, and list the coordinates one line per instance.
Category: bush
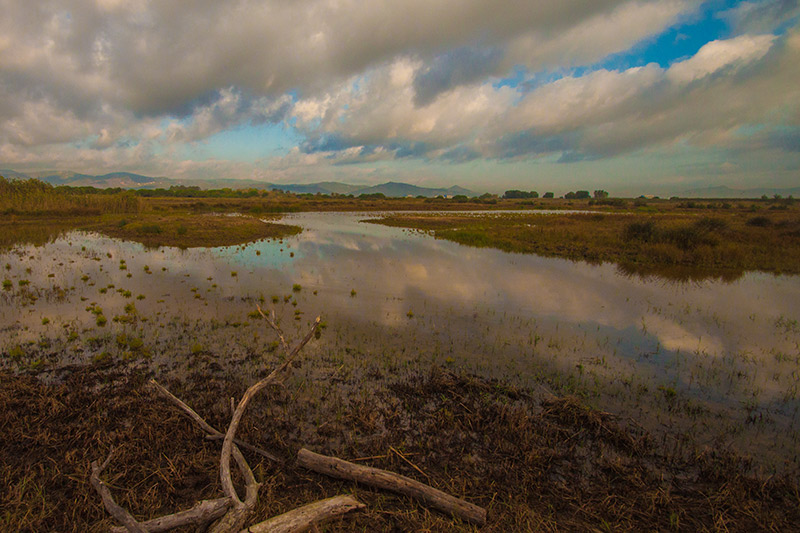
(711, 224)
(759, 222)
(640, 231)
(150, 228)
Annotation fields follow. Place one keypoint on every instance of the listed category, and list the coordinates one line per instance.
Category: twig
(274, 325)
(415, 467)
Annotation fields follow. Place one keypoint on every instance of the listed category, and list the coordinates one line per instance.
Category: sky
(630, 96)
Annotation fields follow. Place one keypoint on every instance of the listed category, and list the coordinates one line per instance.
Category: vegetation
(36, 197)
(535, 464)
(672, 244)
(189, 231)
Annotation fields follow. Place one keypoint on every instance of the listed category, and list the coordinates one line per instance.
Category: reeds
(34, 197)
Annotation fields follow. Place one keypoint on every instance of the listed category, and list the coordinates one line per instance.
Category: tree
(600, 193)
(548, 195)
(514, 193)
(581, 195)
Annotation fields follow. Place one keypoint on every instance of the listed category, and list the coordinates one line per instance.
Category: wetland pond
(713, 361)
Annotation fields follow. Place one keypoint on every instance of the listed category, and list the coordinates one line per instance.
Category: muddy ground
(537, 462)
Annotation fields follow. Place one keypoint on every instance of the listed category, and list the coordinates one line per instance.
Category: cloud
(139, 84)
(458, 67)
(762, 17)
(702, 100)
(718, 55)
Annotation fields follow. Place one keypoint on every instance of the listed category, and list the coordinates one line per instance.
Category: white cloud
(717, 55)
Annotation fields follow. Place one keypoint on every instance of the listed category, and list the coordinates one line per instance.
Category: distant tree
(600, 193)
(570, 196)
(514, 193)
(582, 195)
(548, 195)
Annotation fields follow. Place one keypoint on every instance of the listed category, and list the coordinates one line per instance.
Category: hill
(129, 180)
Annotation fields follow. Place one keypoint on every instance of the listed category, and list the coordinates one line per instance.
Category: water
(720, 360)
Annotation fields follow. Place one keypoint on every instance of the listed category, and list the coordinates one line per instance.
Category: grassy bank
(190, 231)
(673, 242)
(535, 462)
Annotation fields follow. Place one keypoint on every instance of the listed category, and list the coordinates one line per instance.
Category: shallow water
(711, 354)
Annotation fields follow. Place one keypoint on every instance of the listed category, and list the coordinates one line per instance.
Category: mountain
(128, 180)
(124, 180)
(394, 189)
(323, 187)
(727, 192)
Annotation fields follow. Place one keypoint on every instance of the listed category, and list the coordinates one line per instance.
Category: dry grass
(536, 464)
(670, 243)
(189, 231)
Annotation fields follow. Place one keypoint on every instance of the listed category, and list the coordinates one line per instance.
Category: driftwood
(383, 479)
(231, 512)
(307, 516)
(202, 512)
(112, 507)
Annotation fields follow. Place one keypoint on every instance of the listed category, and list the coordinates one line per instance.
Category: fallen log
(375, 477)
(305, 517)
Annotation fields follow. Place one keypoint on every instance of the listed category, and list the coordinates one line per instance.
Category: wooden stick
(237, 516)
(307, 516)
(375, 477)
(212, 433)
(113, 508)
(227, 443)
(274, 325)
(201, 513)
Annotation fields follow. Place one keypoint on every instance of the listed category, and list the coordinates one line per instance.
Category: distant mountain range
(391, 189)
(128, 180)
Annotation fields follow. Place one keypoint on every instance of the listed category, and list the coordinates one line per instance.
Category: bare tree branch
(202, 512)
(213, 433)
(274, 325)
(227, 444)
(114, 509)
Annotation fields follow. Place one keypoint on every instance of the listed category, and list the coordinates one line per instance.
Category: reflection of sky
(712, 316)
(582, 310)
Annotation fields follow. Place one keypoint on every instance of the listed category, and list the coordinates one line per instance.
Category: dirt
(534, 460)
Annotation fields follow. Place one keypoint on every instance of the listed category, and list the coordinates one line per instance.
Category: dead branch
(231, 510)
(213, 434)
(274, 325)
(237, 516)
(383, 479)
(227, 444)
(202, 512)
(111, 506)
(307, 516)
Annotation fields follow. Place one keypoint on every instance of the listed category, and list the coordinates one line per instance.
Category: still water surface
(711, 354)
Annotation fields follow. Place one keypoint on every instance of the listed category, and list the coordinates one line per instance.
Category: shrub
(150, 228)
(711, 224)
(759, 221)
(640, 231)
